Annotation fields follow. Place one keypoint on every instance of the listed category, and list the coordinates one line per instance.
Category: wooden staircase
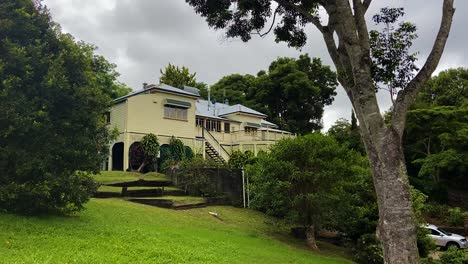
(213, 154)
(213, 148)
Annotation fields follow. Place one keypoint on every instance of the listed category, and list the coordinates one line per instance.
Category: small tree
(150, 146)
(302, 179)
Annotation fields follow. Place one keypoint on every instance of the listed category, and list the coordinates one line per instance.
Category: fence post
(248, 191)
(243, 187)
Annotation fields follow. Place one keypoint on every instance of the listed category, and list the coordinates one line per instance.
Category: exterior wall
(146, 115)
(142, 114)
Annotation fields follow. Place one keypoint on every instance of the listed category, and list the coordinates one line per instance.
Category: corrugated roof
(239, 108)
(190, 91)
(268, 124)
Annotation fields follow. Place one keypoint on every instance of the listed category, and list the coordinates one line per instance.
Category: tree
(294, 92)
(347, 39)
(306, 178)
(53, 132)
(107, 76)
(234, 88)
(347, 134)
(180, 77)
(150, 148)
(436, 135)
(393, 65)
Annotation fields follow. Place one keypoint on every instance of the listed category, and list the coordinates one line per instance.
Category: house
(213, 130)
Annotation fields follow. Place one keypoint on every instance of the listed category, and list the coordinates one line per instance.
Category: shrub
(435, 210)
(424, 242)
(454, 256)
(368, 250)
(63, 194)
(456, 216)
(194, 176)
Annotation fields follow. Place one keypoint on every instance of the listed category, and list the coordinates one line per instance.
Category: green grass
(106, 177)
(116, 231)
(104, 188)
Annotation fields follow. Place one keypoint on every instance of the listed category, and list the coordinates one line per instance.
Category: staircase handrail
(215, 143)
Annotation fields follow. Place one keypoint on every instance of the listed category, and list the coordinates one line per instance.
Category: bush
(368, 250)
(454, 256)
(194, 177)
(437, 211)
(50, 194)
(424, 242)
(456, 216)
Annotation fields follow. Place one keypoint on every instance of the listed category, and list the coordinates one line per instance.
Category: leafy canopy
(53, 96)
(180, 76)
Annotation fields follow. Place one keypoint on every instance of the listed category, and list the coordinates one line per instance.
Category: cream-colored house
(211, 130)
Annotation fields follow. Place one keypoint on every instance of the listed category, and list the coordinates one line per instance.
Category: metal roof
(238, 108)
(190, 91)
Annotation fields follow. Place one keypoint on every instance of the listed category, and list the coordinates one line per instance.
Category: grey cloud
(143, 36)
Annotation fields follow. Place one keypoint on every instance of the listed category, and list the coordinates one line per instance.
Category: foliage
(193, 177)
(106, 77)
(424, 242)
(292, 93)
(239, 159)
(150, 148)
(393, 65)
(347, 134)
(174, 153)
(180, 77)
(312, 180)
(234, 89)
(368, 250)
(454, 256)
(456, 216)
(53, 96)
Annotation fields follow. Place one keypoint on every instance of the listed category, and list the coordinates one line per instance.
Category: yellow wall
(118, 116)
(146, 115)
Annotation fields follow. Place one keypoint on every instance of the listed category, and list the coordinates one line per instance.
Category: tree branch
(366, 4)
(271, 26)
(363, 33)
(408, 95)
(312, 18)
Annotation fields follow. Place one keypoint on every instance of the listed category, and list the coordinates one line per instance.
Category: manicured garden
(117, 231)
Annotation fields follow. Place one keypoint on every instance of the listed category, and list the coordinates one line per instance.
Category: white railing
(215, 144)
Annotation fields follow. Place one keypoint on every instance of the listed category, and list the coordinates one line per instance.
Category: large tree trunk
(310, 234)
(396, 222)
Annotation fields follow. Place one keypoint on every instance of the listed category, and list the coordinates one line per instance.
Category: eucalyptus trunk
(310, 235)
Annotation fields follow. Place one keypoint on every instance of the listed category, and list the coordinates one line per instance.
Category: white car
(446, 239)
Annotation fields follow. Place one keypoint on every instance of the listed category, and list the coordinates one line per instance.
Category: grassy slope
(115, 231)
(121, 176)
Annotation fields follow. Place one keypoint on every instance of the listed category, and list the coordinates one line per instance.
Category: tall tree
(181, 76)
(436, 135)
(294, 92)
(234, 88)
(52, 100)
(347, 39)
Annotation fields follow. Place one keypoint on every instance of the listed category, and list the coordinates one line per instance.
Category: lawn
(116, 231)
(106, 177)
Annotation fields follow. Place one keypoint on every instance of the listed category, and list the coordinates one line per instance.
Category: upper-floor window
(227, 128)
(174, 112)
(200, 122)
(213, 125)
(252, 131)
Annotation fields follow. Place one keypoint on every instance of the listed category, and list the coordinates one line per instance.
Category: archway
(136, 156)
(117, 156)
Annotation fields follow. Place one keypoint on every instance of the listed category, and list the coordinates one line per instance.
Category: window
(213, 125)
(174, 112)
(252, 131)
(199, 122)
(435, 233)
(227, 128)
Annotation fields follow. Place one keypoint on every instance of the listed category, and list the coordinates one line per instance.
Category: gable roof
(189, 91)
(238, 108)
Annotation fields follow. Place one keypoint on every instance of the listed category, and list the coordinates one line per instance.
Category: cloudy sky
(143, 36)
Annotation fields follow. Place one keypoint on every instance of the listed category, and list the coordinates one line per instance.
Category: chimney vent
(145, 85)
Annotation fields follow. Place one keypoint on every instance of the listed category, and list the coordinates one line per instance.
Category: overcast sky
(143, 36)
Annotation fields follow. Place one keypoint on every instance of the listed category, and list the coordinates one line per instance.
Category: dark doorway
(117, 156)
(136, 156)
